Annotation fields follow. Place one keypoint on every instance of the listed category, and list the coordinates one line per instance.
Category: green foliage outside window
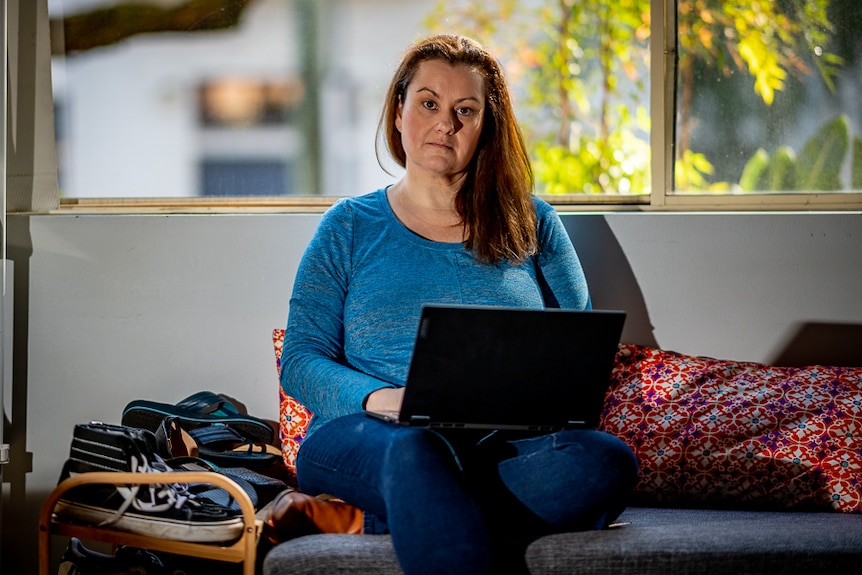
(774, 43)
(580, 73)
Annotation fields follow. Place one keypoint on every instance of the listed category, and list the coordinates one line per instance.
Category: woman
(461, 226)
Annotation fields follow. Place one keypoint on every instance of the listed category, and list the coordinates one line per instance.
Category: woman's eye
(429, 105)
(464, 111)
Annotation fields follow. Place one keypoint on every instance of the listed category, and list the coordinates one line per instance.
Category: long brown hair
(495, 201)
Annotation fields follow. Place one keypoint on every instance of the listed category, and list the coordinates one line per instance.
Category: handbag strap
(547, 293)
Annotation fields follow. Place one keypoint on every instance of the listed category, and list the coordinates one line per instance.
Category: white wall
(109, 309)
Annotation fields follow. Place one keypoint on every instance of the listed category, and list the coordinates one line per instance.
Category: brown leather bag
(294, 514)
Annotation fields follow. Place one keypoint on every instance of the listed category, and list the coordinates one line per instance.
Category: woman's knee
(600, 450)
(571, 477)
(417, 449)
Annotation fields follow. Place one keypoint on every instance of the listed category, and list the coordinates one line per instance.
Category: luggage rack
(242, 550)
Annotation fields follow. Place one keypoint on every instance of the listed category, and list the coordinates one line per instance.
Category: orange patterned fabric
(293, 417)
(726, 433)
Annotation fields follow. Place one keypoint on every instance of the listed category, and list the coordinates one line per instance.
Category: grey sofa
(712, 437)
(654, 540)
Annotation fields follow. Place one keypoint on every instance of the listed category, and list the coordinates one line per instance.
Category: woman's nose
(448, 124)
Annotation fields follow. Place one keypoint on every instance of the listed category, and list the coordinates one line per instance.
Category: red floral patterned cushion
(293, 417)
(714, 432)
(726, 433)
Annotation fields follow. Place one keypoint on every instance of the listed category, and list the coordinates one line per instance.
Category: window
(767, 101)
(625, 103)
(152, 112)
(240, 178)
(250, 142)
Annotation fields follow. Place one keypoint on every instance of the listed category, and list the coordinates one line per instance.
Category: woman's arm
(314, 369)
(558, 260)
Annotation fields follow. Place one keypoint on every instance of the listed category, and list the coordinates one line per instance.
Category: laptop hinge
(420, 420)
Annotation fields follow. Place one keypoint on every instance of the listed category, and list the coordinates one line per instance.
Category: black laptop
(481, 367)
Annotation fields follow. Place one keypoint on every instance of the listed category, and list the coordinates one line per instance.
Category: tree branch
(114, 24)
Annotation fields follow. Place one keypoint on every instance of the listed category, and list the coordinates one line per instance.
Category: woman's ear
(398, 110)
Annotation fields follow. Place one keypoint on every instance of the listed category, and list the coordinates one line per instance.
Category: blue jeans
(450, 500)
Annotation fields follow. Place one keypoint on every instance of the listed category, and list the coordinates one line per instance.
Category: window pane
(768, 96)
(172, 98)
(579, 72)
(238, 178)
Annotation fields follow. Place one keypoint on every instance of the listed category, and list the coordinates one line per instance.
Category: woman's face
(440, 118)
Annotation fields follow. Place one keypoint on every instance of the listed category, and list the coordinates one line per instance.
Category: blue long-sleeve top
(362, 282)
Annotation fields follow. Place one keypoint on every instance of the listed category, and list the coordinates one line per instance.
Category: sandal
(202, 408)
(218, 444)
(224, 446)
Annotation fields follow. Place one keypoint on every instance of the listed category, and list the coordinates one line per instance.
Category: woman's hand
(385, 399)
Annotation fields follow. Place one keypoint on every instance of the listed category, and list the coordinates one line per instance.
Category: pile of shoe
(77, 559)
(168, 510)
(158, 438)
(209, 426)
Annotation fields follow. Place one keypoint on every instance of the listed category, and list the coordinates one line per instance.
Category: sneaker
(166, 511)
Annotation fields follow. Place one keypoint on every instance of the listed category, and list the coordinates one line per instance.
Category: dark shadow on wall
(20, 512)
(612, 282)
(822, 343)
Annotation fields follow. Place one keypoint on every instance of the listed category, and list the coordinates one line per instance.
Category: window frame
(663, 51)
(663, 54)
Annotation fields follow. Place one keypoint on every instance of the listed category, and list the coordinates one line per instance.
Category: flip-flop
(224, 446)
(219, 444)
(202, 408)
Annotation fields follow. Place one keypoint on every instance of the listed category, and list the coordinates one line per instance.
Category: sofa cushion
(717, 542)
(655, 541)
(711, 432)
(328, 554)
